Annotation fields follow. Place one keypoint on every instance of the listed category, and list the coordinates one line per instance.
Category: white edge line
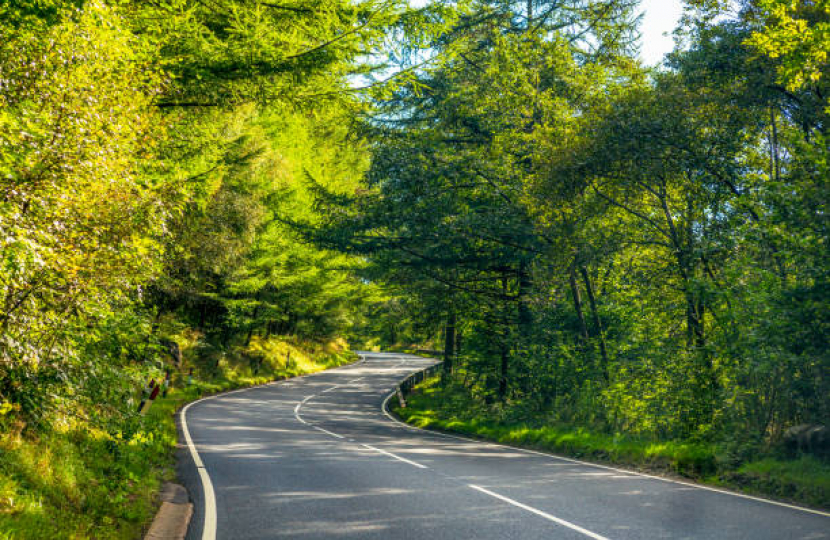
(390, 454)
(209, 525)
(385, 410)
(538, 512)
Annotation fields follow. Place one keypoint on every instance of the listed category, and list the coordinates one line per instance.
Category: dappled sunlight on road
(317, 458)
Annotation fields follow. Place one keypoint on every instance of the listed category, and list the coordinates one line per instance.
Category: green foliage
(76, 483)
(450, 408)
(80, 481)
(798, 34)
(640, 254)
(232, 52)
(806, 479)
(238, 267)
(78, 219)
(151, 155)
(629, 251)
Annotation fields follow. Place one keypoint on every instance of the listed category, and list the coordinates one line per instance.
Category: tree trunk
(775, 173)
(202, 314)
(251, 328)
(503, 371)
(503, 347)
(393, 334)
(525, 315)
(589, 288)
(449, 343)
(583, 328)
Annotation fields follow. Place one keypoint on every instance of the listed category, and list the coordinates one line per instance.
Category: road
(317, 458)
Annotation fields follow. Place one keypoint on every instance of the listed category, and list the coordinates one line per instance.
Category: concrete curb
(173, 517)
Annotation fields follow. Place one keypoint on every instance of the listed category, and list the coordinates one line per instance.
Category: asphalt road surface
(317, 458)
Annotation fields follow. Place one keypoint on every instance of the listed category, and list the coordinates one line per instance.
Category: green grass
(805, 480)
(74, 482)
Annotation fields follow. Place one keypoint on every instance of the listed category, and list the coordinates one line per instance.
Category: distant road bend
(316, 458)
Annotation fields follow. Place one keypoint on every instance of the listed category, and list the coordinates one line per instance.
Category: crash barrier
(405, 387)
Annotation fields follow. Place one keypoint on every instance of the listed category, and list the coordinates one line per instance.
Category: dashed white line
(297, 414)
(318, 428)
(209, 525)
(390, 454)
(385, 410)
(336, 386)
(538, 512)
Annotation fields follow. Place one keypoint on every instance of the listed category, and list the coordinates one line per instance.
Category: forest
(195, 190)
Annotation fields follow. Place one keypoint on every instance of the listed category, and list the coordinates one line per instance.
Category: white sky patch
(660, 17)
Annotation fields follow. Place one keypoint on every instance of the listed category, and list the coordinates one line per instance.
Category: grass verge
(805, 480)
(73, 481)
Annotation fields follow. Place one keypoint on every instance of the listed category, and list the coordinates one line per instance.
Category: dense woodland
(638, 251)
(590, 240)
(151, 152)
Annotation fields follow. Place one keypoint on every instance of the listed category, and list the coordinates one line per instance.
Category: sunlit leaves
(75, 215)
(797, 33)
(239, 51)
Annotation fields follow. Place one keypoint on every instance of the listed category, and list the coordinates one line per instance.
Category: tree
(445, 198)
(797, 33)
(79, 218)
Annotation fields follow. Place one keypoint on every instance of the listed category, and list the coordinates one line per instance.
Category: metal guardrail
(409, 383)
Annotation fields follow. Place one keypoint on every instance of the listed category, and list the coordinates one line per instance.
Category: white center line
(336, 386)
(390, 454)
(545, 515)
(209, 524)
(297, 413)
(318, 428)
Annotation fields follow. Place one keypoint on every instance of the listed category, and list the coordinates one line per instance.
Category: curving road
(316, 458)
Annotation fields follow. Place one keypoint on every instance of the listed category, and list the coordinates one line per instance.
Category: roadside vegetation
(624, 261)
(775, 473)
(148, 162)
(76, 480)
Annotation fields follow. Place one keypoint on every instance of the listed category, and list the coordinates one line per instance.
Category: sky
(659, 19)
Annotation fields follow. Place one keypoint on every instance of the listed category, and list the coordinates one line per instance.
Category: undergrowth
(72, 481)
(805, 480)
